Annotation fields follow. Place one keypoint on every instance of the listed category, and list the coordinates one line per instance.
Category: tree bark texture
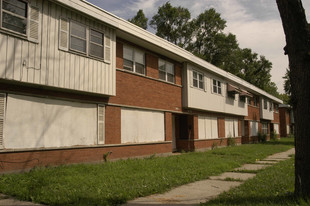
(297, 34)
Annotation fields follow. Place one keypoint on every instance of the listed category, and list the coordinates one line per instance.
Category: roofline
(123, 25)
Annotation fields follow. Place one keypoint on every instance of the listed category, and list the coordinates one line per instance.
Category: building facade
(77, 83)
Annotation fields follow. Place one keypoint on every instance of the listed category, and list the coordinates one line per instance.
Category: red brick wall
(253, 113)
(221, 126)
(112, 125)
(276, 118)
(178, 74)
(152, 66)
(284, 121)
(135, 90)
(22, 161)
(168, 126)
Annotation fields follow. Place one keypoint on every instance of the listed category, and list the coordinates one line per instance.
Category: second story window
(271, 106)
(96, 43)
(255, 101)
(217, 87)
(77, 37)
(276, 108)
(198, 80)
(14, 15)
(166, 71)
(134, 60)
(265, 104)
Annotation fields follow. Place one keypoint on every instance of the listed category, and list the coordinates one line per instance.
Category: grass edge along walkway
(116, 182)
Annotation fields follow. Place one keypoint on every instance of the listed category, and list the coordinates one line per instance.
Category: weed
(106, 155)
(231, 141)
(214, 145)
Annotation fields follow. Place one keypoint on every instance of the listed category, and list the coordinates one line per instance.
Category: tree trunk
(296, 30)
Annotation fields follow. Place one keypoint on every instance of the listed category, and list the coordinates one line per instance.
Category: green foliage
(173, 24)
(231, 141)
(273, 136)
(271, 186)
(261, 137)
(113, 183)
(139, 20)
(214, 145)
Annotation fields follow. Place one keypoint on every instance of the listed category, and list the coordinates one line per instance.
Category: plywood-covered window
(207, 127)
(231, 127)
(254, 128)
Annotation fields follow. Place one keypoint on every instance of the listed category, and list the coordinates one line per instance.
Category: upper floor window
(250, 101)
(198, 80)
(78, 37)
(265, 104)
(255, 101)
(166, 71)
(14, 15)
(96, 43)
(134, 60)
(276, 108)
(217, 87)
(271, 106)
(241, 98)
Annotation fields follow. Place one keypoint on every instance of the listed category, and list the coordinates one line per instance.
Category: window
(271, 106)
(265, 104)
(231, 127)
(241, 98)
(254, 128)
(276, 108)
(77, 37)
(166, 71)
(133, 60)
(231, 95)
(96, 43)
(74, 36)
(14, 15)
(265, 128)
(198, 80)
(249, 101)
(255, 101)
(217, 87)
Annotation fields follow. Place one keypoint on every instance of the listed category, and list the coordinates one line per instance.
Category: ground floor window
(207, 127)
(254, 128)
(231, 127)
(265, 128)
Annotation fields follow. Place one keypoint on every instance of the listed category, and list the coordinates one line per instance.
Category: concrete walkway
(193, 193)
(202, 191)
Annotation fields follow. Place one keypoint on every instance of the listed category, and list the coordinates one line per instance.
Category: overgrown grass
(114, 183)
(272, 186)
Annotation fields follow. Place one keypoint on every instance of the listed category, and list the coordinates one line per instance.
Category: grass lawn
(116, 182)
(272, 186)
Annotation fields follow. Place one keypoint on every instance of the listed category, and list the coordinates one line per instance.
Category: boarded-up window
(276, 128)
(142, 126)
(231, 127)
(207, 127)
(254, 128)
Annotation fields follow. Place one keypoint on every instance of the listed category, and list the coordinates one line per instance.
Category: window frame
(165, 62)
(265, 128)
(217, 85)
(26, 19)
(133, 60)
(90, 42)
(270, 106)
(198, 75)
(265, 104)
(255, 101)
(86, 37)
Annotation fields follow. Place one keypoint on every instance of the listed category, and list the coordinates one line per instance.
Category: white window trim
(101, 45)
(86, 37)
(166, 73)
(203, 80)
(101, 122)
(133, 60)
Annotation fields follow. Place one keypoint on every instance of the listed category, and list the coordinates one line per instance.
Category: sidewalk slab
(253, 167)
(190, 194)
(266, 162)
(233, 175)
(9, 202)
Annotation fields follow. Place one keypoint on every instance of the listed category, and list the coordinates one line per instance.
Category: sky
(256, 23)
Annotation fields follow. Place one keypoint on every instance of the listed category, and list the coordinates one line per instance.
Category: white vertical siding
(231, 127)
(43, 62)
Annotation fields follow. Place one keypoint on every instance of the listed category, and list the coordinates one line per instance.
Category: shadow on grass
(288, 199)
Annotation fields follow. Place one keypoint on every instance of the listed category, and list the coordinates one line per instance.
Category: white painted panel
(231, 127)
(288, 129)
(207, 127)
(276, 128)
(33, 122)
(142, 126)
(236, 127)
(254, 128)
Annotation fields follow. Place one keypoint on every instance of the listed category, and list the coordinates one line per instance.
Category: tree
(297, 34)
(173, 24)
(140, 19)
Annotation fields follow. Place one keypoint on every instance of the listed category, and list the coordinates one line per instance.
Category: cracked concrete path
(202, 191)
